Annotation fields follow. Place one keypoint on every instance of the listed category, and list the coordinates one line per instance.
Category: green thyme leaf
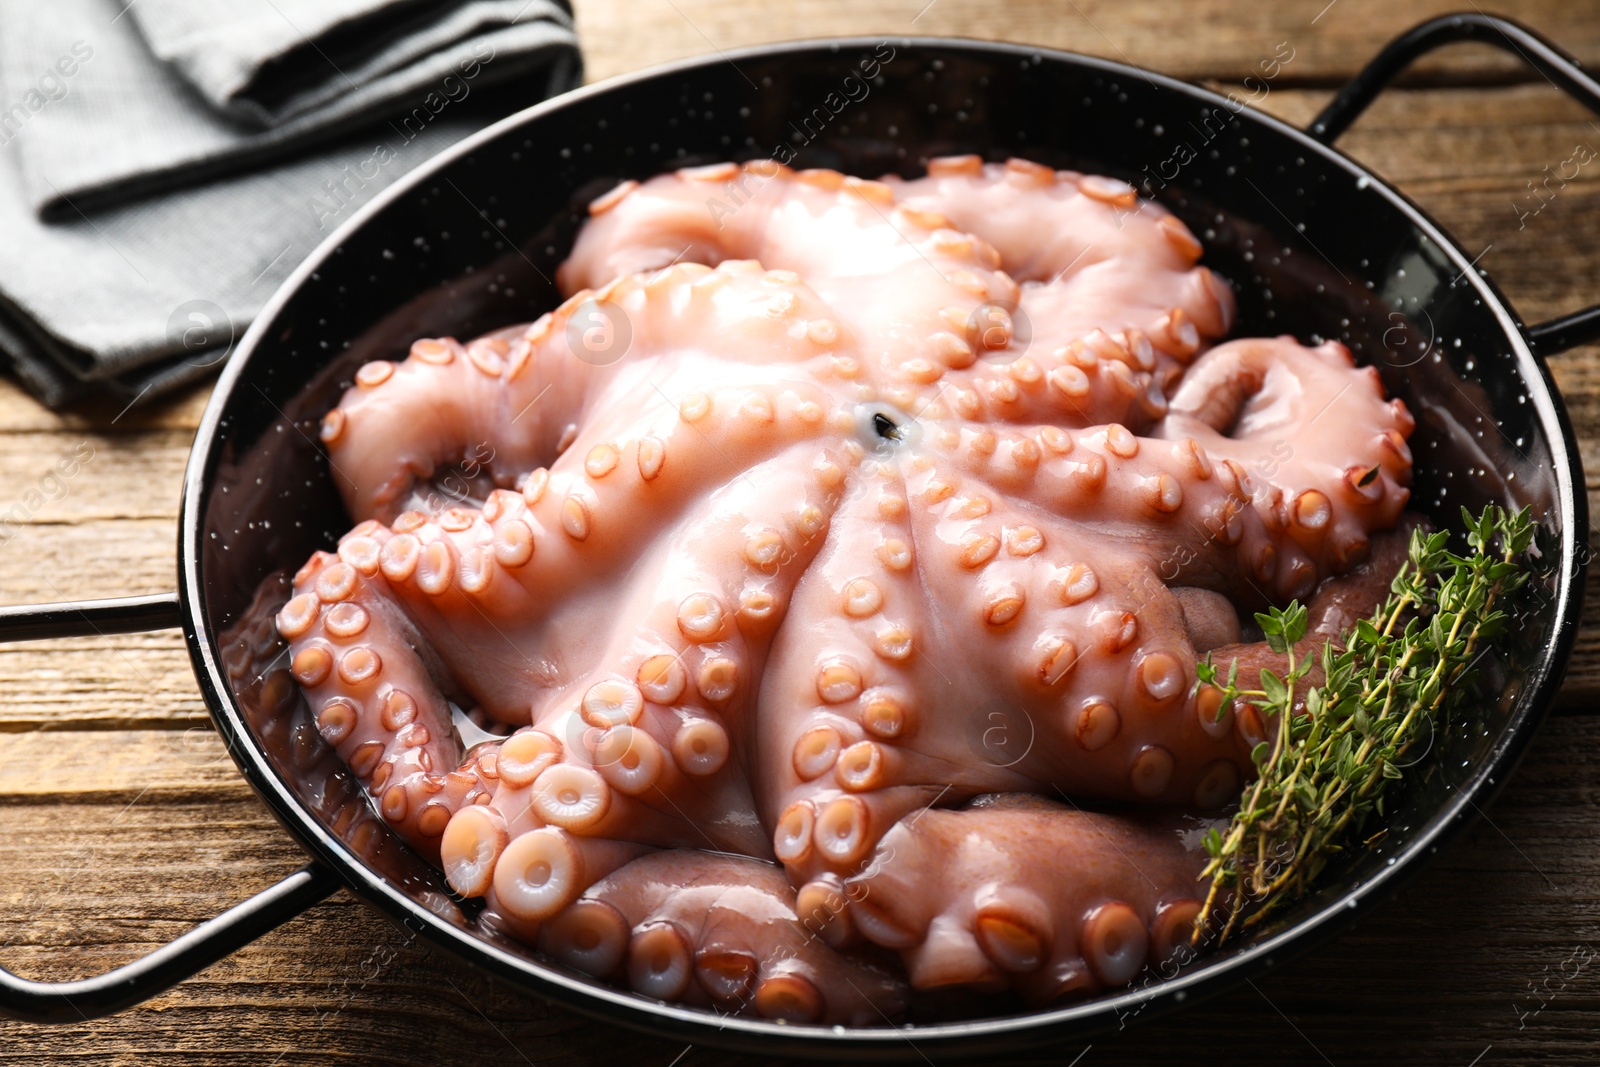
(1391, 682)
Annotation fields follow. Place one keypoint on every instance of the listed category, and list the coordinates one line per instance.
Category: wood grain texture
(1436, 975)
(1203, 39)
(102, 765)
(122, 821)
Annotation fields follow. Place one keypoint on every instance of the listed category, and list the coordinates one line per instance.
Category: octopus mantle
(772, 518)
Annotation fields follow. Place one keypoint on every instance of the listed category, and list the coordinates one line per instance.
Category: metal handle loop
(1562, 70)
(88, 998)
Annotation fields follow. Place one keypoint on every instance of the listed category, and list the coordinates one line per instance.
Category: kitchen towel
(164, 164)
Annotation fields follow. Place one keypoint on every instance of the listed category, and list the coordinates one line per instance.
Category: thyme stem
(1391, 681)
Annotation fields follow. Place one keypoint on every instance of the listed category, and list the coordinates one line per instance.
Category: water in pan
(1285, 282)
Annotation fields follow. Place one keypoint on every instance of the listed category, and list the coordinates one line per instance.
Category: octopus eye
(885, 427)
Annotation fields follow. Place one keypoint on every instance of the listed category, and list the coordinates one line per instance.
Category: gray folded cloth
(164, 164)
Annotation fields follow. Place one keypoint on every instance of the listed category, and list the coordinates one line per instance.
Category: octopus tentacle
(1022, 893)
(1092, 379)
(526, 879)
(903, 279)
(716, 929)
(1192, 520)
(1323, 451)
(1240, 490)
(843, 694)
(513, 401)
(373, 696)
(1090, 253)
(252, 653)
(666, 700)
(636, 744)
(1075, 650)
(489, 586)
(464, 581)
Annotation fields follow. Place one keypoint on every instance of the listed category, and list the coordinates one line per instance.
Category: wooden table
(124, 822)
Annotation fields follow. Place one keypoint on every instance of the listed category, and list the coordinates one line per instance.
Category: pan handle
(89, 998)
(1562, 71)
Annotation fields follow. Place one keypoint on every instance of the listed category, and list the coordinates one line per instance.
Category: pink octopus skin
(753, 585)
(1053, 901)
(719, 930)
(1125, 895)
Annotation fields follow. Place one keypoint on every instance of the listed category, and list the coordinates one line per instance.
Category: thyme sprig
(1396, 678)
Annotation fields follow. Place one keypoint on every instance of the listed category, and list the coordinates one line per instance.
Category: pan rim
(752, 1034)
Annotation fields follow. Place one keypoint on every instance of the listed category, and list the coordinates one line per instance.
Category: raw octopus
(855, 467)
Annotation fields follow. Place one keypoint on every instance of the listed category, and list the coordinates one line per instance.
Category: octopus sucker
(542, 871)
(720, 930)
(898, 506)
(374, 699)
(1120, 889)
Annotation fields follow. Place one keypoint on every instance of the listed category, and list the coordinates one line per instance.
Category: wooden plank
(1436, 975)
(130, 680)
(163, 861)
(1463, 137)
(1582, 685)
(59, 477)
(1211, 38)
(49, 561)
(19, 411)
(88, 766)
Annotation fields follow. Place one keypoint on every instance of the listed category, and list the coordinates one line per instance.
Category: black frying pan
(1316, 245)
